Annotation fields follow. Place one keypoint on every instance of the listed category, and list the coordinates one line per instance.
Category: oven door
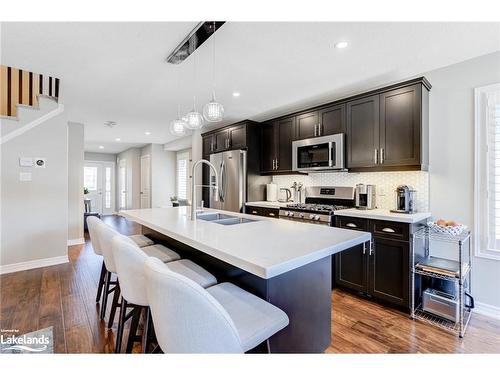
(321, 153)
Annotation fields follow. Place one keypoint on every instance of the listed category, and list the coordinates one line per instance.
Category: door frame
(143, 157)
(103, 165)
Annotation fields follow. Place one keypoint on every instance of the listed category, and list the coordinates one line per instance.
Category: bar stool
(93, 223)
(129, 260)
(221, 319)
(105, 235)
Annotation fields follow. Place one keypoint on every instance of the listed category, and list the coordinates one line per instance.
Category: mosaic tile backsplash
(386, 183)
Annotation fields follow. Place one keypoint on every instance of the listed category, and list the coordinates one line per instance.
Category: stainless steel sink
(216, 217)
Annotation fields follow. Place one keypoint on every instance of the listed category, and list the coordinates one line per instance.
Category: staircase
(27, 100)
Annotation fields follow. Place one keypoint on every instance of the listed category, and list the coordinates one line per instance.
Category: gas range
(320, 204)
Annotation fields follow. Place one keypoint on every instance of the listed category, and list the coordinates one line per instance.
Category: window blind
(182, 174)
(493, 168)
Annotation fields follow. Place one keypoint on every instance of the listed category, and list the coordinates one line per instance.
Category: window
(487, 172)
(90, 178)
(183, 159)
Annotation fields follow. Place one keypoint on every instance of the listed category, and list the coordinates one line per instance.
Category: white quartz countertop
(267, 204)
(382, 214)
(265, 247)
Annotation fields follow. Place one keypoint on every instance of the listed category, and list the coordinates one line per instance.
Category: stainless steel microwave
(319, 154)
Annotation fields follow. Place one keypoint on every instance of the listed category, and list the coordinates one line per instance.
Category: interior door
(122, 184)
(146, 181)
(92, 181)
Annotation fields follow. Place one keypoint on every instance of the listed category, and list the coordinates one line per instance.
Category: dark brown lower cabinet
(382, 271)
(262, 211)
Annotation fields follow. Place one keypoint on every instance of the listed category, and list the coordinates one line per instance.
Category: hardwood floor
(63, 297)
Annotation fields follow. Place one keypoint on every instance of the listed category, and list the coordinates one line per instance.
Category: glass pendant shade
(194, 120)
(178, 127)
(213, 111)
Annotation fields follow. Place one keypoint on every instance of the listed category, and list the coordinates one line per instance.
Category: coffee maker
(405, 198)
(365, 197)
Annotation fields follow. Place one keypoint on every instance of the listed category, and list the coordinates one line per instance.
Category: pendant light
(194, 120)
(213, 111)
(178, 126)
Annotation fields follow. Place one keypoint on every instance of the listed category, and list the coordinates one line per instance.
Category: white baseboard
(487, 310)
(23, 266)
(76, 241)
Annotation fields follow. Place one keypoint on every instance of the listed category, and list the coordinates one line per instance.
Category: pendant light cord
(213, 55)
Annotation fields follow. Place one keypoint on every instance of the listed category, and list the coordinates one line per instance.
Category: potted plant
(174, 201)
(85, 191)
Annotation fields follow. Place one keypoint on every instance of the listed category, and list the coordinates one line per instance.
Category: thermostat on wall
(40, 162)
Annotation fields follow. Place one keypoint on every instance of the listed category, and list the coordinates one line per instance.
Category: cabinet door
(237, 137)
(389, 271)
(332, 120)
(221, 140)
(285, 131)
(351, 268)
(400, 112)
(268, 147)
(307, 125)
(208, 144)
(362, 132)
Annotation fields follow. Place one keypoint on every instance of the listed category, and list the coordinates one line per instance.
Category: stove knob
(290, 214)
(317, 217)
(312, 216)
(301, 215)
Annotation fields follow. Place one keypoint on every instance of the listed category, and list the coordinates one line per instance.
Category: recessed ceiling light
(110, 124)
(117, 139)
(236, 94)
(101, 147)
(340, 45)
(147, 133)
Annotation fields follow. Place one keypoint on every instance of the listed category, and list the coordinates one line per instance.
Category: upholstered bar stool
(129, 260)
(221, 319)
(105, 235)
(92, 223)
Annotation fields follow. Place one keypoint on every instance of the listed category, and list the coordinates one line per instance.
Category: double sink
(223, 219)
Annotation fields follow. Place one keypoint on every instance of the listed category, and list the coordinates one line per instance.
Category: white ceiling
(116, 71)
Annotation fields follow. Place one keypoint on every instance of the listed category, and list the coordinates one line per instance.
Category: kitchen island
(287, 263)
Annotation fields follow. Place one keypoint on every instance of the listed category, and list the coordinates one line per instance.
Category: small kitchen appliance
(319, 154)
(271, 192)
(365, 197)
(321, 202)
(405, 198)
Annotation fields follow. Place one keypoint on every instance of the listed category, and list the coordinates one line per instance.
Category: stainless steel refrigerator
(232, 169)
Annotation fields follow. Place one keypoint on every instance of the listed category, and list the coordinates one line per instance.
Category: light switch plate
(25, 162)
(25, 176)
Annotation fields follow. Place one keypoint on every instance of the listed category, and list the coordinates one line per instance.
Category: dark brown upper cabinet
(221, 140)
(208, 144)
(389, 130)
(363, 132)
(332, 120)
(326, 121)
(276, 145)
(237, 137)
(307, 125)
(228, 138)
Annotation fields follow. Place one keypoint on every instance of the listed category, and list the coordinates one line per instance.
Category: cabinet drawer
(354, 223)
(262, 211)
(390, 229)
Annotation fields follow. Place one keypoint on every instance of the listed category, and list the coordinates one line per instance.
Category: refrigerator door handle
(222, 187)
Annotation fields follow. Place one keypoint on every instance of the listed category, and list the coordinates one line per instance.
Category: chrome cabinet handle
(364, 248)
(375, 156)
(271, 214)
(276, 164)
(254, 212)
(273, 165)
(388, 230)
(372, 248)
(351, 225)
(381, 156)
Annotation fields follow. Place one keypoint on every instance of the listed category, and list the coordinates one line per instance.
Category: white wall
(35, 213)
(133, 162)
(452, 155)
(75, 181)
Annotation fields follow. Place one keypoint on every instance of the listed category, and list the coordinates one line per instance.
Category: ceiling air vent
(195, 39)
(110, 124)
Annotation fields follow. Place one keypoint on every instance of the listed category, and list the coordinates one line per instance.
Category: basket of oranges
(449, 227)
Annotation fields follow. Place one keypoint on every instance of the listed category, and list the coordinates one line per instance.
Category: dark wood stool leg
(102, 277)
(105, 295)
(146, 334)
(114, 304)
(121, 324)
(133, 328)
